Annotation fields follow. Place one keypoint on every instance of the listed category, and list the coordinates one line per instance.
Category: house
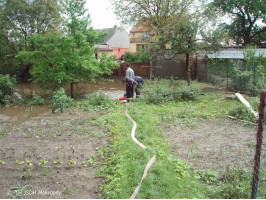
(103, 49)
(139, 38)
(116, 42)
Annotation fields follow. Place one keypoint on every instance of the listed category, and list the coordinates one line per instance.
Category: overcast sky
(102, 15)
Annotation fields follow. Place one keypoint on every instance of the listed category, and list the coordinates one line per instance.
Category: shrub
(96, 101)
(140, 57)
(234, 184)
(158, 91)
(168, 90)
(186, 92)
(7, 85)
(99, 100)
(60, 100)
(242, 80)
(37, 100)
(243, 113)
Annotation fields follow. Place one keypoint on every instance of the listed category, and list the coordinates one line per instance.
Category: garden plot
(52, 156)
(213, 144)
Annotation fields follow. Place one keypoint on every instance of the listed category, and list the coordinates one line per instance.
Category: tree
(190, 33)
(177, 24)
(248, 19)
(154, 13)
(19, 20)
(61, 59)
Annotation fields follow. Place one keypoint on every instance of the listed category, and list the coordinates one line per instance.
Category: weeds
(37, 100)
(43, 161)
(163, 90)
(233, 184)
(125, 162)
(18, 190)
(45, 171)
(58, 161)
(3, 132)
(60, 100)
(17, 162)
(243, 113)
(71, 163)
(96, 101)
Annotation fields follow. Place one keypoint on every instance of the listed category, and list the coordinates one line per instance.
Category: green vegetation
(96, 101)
(7, 84)
(58, 59)
(43, 161)
(124, 161)
(169, 177)
(60, 100)
(37, 100)
(164, 91)
(140, 57)
(20, 20)
(240, 26)
(247, 76)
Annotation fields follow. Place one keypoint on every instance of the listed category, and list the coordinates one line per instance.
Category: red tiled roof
(140, 27)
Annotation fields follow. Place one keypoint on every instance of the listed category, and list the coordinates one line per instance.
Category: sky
(102, 15)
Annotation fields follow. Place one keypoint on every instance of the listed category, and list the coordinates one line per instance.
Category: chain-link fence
(237, 75)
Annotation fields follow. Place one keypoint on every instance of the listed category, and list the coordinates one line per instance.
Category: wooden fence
(140, 69)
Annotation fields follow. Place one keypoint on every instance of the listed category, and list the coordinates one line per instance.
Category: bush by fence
(236, 75)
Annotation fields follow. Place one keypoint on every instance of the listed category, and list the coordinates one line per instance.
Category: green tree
(19, 20)
(61, 59)
(177, 25)
(247, 19)
(155, 13)
(190, 34)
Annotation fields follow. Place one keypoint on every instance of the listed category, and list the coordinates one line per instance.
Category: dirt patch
(52, 156)
(214, 145)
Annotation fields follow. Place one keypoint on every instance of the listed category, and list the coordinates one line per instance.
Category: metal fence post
(227, 77)
(261, 119)
(254, 81)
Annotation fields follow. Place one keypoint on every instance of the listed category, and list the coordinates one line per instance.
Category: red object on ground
(123, 98)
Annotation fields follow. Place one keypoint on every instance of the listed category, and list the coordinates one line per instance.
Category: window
(145, 36)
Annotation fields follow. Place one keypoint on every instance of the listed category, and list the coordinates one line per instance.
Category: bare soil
(68, 141)
(214, 144)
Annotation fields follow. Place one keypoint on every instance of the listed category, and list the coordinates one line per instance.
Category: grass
(169, 177)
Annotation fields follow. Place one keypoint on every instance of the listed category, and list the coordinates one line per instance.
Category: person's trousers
(138, 89)
(129, 89)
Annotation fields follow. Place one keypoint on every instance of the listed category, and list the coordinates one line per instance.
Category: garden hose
(151, 161)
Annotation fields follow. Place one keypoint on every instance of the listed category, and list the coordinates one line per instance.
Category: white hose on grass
(246, 103)
(151, 161)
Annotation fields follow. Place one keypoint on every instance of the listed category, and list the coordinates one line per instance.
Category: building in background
(116, 42)
(139, 38)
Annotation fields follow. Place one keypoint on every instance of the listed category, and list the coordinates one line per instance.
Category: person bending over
(139, 82)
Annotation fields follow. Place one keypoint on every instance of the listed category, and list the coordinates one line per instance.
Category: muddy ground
(214, 144)
(51, 155)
